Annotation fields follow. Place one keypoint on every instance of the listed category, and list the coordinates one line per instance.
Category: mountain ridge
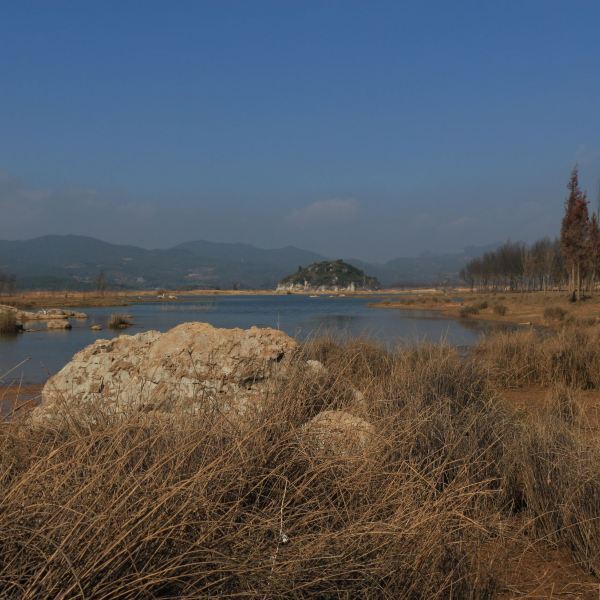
(75, 261)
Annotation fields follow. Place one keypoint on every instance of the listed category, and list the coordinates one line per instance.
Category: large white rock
(192, 365)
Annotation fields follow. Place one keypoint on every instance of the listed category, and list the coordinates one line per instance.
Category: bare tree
(101, 283)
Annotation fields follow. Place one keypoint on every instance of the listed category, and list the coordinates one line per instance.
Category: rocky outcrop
(332, 276)
(56, 318)
(193, 365)
(58, 324)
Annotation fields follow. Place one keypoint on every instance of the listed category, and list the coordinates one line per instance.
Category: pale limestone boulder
(194, 365)
(337, 433)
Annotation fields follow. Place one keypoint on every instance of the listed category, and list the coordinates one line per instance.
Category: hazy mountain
(73, 262)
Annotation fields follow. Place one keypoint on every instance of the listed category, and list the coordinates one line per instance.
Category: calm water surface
(46, 352)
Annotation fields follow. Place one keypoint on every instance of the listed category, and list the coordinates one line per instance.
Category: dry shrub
(468, 311)
(500, 309)
(151, 506)
(570, 356)
(560, 475)
(119, 321)
(554, 313)
(563, 404)
(162, 506)
(510, 357)
(8, 322)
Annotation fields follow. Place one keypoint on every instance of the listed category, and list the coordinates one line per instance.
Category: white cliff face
(193, 364)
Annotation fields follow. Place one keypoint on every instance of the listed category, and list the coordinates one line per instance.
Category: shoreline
(82, 299)
(539, 309)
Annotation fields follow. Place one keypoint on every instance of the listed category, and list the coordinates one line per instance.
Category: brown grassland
(535, 308)
(482, 480)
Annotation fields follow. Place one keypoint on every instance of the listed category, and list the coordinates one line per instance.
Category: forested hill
(329, 275)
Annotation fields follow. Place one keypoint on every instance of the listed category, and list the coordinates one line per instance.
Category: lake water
(46, 352)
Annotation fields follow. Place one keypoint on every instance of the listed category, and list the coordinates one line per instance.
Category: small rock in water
(96, 327)
(58, 324)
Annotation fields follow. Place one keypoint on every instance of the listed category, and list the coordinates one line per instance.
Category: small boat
(314, 296)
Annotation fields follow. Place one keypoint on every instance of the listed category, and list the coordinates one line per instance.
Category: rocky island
(337, 276)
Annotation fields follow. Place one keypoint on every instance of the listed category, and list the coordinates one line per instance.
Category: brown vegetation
(509, 307)
(8, 322)
(434, 502)
(119, 321)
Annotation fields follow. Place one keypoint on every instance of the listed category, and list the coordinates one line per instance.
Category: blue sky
(357, 129)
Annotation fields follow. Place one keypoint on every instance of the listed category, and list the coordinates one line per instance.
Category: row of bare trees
(515, 266)
(571, 262)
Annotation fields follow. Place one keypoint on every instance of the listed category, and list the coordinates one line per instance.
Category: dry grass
(173, 506)
(8, 322)
(500, 309)
(570, 356)
(119, 321)
(555, 313)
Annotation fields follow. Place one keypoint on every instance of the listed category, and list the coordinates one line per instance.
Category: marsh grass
(500, 309)
(555, 313)
(119, 321)
(468, 311)
(166, 505)
(8, 322)
(570, 356)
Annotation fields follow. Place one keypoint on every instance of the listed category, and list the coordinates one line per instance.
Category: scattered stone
(58, 324)
(338, 433)
(317, 367)
(96, 327)
(193, 365)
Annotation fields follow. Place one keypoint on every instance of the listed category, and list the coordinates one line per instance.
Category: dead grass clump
(554, 313)
(500, 309)
(468, 311)
(561, 488)
(143, 506)
(563, 404)
(570, 356)
(511, 357)
(407, 504)
(119, 321)
(8, 322)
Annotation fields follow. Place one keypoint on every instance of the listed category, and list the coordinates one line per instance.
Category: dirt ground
(536, 308)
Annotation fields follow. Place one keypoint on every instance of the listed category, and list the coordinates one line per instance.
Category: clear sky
(367, 129)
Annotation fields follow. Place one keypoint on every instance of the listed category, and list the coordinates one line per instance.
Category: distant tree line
(571, 262)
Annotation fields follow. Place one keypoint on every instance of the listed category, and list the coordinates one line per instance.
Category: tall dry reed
(156, 505)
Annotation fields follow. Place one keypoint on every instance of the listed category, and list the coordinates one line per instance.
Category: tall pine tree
(594, 250)
(574, 233)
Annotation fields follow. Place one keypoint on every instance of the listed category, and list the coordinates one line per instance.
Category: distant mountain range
(74, 262)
